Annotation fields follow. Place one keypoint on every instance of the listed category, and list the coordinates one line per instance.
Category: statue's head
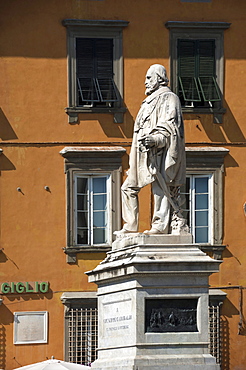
(156, 76)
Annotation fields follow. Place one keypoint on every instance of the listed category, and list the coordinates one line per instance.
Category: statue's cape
(160, 113)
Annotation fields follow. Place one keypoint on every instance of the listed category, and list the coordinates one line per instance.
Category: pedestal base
(168, 362)
(153, 305)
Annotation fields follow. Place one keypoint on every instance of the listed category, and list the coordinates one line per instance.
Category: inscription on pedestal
(117, 317)
(170, 315)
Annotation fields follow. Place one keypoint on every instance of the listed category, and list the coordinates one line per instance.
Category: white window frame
(87, 160)
(90, 176)
(210, 161)
(210, 176)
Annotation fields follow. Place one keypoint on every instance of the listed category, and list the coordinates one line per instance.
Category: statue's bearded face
(151, 81)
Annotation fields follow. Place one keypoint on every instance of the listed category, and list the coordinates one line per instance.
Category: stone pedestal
(153, 304)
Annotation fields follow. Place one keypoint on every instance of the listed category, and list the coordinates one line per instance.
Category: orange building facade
(66, 130)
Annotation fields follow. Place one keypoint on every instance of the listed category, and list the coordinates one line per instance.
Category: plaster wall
(34, 128)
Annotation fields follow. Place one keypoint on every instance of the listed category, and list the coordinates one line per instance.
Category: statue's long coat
(160, 114)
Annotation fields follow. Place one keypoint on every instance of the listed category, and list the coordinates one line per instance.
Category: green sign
(36, 287)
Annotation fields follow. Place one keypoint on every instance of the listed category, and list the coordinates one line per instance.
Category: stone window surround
(210, 160)
(75, 299)
(199, 30)
(94, 29)
(94, 160)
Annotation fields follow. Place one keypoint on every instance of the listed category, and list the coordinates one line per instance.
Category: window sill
(71, 252)
(216, 250)
(73, 112)
(217, 112)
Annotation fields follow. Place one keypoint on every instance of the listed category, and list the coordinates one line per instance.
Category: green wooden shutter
(207, 70)
(86, 83)
(187, 70)
(197, 70)
(94, 59)
(206, 54)
(104, 70)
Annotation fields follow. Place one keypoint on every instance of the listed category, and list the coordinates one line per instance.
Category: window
(81, 327)
(198, 201)
(197, 84)
(93, 197)
(92, 203)
(95, 76)
(216, 299)
(202, 196)
(95, 67)
(197, 65)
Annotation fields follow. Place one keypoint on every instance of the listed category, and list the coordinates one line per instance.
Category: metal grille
(215, 331)
(82, 331)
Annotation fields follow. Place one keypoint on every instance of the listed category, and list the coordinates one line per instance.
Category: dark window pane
(99, 185)
(82, 219)
(82, 236)
(201, 235)
(187, 185)
(201, 201)
(82, 202)
(201, 218)
(100, 202)
(99, 219)
(201, 185)
(99, 236)
(186, 215)
(82, 185)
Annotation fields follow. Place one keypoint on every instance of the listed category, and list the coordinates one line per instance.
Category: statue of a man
(157, 156)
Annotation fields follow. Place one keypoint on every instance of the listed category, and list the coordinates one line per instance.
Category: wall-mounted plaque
(170, 315)
(30, 327)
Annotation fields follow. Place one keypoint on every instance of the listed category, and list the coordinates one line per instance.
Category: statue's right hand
(149, 141)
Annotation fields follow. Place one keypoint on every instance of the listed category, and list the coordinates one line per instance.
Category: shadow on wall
(12, 297)
(228, 131)
(6, 133)
(6, 130)
(231, 128)
(3, 257)
(228, 310)
(116, 130)
(6, 164)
